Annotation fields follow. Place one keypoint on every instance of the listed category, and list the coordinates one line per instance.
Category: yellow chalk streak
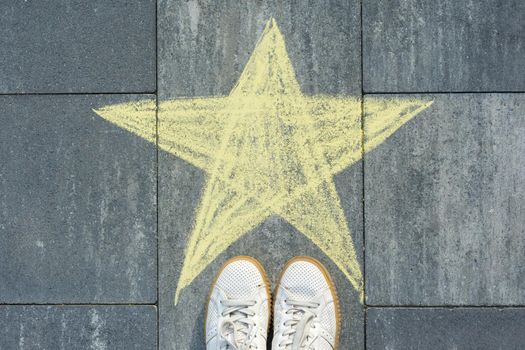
(268, 149)
(192, 128)
(383, 116)
(137, 117)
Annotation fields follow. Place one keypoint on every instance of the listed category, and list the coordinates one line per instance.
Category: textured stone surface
(444, 205)
(273, 243)
(444, 199)
(203, 47)
(77, 204)
(443, 45)
(444, 329)
(77, 46)
(78, 327)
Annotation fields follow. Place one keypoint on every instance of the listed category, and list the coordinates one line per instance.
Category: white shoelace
(298, 329)
(237, 328)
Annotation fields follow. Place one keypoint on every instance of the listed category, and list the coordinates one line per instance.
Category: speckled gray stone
(273, 243)
(445, 329)
(78, 327)
(445, 205)
(77, 46)
(443, 45)
(77, 204)
(203, 46)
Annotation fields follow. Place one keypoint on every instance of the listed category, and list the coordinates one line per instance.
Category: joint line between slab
(363, 175)
(78, 304)
(440, 92)
(157, 166)
(77, 93)
(445, 306)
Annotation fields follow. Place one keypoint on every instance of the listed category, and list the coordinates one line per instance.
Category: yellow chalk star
(267, 149)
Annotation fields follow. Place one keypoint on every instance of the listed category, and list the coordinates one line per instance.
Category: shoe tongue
(239, 294)
(302, 293)
(238, 290)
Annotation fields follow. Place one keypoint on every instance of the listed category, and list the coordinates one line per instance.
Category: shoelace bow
(236, 329)
(298, 328)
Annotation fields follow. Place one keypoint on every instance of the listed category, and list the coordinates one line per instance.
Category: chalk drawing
(267, 149)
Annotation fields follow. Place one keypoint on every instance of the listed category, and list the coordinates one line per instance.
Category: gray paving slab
(210, 41)
(442, 45)
(273, 243)
(203, 47)
(444, 205)
(78, 327)
(77, 203)
(444, 329)
(77, 46)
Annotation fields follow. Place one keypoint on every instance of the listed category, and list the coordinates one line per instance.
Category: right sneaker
(239, 307)
(306, 311)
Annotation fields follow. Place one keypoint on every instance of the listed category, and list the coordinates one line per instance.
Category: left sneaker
(239, 307)
(306, 311)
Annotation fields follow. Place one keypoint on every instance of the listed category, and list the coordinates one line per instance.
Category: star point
(269, 71)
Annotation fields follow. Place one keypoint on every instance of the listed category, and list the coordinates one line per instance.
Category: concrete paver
(444, 205)
(203, 48)
(78, 204)
(78, 327)
(443, 329)
(77, 46)
(443, 45)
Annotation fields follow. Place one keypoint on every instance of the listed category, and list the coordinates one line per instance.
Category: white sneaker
(239, 307)
(306, 312)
